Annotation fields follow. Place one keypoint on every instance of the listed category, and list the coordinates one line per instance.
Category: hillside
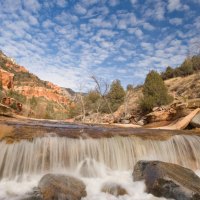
(185, 90)
(29, 96)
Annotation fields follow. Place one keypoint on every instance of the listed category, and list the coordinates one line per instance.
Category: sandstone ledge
(13, 129)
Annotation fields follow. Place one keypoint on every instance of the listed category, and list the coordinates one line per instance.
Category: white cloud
(133, 2)
(176, 5)
(148, 26)
(113, 2)
(176, 21)
(32, 5)
(61, 3)
(79, 9)
(173, 5)
(47, 23)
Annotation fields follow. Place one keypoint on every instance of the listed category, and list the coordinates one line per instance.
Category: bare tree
(80, 98)
(102, 88)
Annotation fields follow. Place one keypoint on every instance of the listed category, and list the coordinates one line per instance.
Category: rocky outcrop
(17, 106)
(6, 79)
(164, 113)
(59, 186)
(17, 68)
(181, 123)
(5, 110)
(29, 129)
(114, 189)
(168, 180)
(47, 93)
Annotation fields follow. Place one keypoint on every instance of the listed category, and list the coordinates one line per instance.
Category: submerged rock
(114, 189)
(168, 180)
(61, 187)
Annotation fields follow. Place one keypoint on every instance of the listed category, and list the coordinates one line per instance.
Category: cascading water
(93, 160)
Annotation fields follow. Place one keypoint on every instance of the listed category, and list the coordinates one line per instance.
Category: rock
(182, 123)
(161, 114)
(125, 121)
(196, 121)
(6, 79)
(114, 189)
(168, 180)
(193, 103)
(141, 122)
(59, 186)
(47, 93)
(5, 110)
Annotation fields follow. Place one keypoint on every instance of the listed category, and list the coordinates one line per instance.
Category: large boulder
(196, 121)
(168, 180)
(59, 186)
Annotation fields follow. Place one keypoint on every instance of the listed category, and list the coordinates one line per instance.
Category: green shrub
(18, 97)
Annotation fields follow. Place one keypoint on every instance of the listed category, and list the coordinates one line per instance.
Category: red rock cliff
(6, 79)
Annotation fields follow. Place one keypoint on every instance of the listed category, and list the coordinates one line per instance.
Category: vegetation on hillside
(154, 92)
(189, 66)
(99, 100)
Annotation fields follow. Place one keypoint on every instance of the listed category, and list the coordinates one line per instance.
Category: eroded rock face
(61, 187)
(6, 79)
(168, 180)
(161, 114)
(49, 94)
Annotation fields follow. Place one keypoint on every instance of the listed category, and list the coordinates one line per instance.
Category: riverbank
(16, 129)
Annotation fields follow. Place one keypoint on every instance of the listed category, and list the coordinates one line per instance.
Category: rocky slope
(28, 95)
(186, 93)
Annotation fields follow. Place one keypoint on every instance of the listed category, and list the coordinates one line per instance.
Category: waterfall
(118, 153)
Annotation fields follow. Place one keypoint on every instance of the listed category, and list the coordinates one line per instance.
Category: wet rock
(61, 187)
(114, 189)
(168, 180)
(196, 121)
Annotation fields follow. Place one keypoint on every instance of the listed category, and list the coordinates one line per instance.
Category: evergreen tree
(186, 68)
(116, 95)
(154, 92)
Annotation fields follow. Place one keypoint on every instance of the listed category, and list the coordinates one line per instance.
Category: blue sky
(67, 41)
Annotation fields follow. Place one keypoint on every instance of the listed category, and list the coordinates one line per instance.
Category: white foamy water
(17, 190)
(95, 161)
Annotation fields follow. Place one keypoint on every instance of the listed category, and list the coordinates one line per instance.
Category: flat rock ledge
(168, 180)
(58, 187)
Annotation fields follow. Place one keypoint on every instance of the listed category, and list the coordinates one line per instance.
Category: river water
(95, 161)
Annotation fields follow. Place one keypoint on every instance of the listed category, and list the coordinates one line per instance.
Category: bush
(92, 101)
(116, 95)
(186, 68)
(189, 66)
(18, 97)
(169, 73)
(154, 92)
(129, 87)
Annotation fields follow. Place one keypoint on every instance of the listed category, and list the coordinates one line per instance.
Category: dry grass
(6, 131)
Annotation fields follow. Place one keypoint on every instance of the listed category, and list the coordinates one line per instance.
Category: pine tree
(154, 92)
(116, 95)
